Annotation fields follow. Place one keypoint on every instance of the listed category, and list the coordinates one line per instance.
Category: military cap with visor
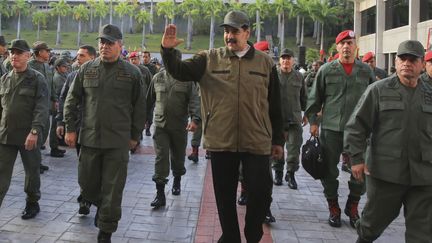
(19, 44)
(428, 56)
(286, 52)
(40, 45)
(60, 62)
(236, 19)
(110, 32)
(411, 47)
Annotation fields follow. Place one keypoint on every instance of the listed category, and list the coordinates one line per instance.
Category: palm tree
(235, 5)
(143, 17)
(166, 8)
(101, 10)
(91, 4)
(121, 10)
(132, 9)
(59, 9)
(80, 13)
(323, 12)
(4, 11)
(191, 10)
(21, 7)
(281, 7)
(261, 9)
(301, 9)
(39, 18)
(151, 16)
(212, 8)
(111, 10)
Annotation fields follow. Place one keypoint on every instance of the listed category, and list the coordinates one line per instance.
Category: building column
(414, 17)
(357, 19)
(380, 28)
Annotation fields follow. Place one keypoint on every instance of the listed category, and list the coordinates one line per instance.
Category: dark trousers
(257, 177)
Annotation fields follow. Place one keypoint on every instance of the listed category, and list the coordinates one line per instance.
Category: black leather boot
(160, 199)
(360, 240)
(334, 219)
(243, 195)
(31, 210)
(176, 188)
(289, 177)
(84, 206)
(351, 209)
(194, 155)
(278, 178)
(104, 237)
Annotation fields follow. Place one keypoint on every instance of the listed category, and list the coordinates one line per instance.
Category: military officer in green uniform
(3, 51)
(174, 102)
(339, 85)
(389, 138)
(293, 96)
(113, 115)
(311, 77)
(23, 112)
(369, 59)
(427, 75)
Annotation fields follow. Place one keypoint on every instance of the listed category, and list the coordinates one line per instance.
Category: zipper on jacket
(238, 105)
(206, 122)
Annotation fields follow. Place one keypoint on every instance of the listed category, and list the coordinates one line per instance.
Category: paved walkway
(301, 214)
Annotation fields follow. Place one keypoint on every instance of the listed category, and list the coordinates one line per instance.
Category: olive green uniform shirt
(45, 70)
(337, 93)
(113, 104)
(24, 105)
(398, 122)
(293, 96)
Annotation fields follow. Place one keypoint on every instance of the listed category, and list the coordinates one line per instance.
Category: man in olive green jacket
(113, 117)
(293, 96)
(339, 85)
(242, 121)
(173, 101)
(23, 112)
(389, 138)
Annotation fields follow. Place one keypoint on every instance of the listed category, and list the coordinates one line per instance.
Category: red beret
(346, 34)
(336, 56)
(368, 56)
(262, 45)
(428, 56)
(322, 52)
(133, 54)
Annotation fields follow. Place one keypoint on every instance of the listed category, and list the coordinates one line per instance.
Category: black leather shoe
(360, 240)
(147, 132)
(61, 150)
(242, 199)
(208, 155)
(56, 153)
(31, 210)
(334, 219)
(289, 177)
(176, 189)
(104, 237)
(44, 167)
(160, 199)
(84, 207)
(278, 178)
(269, 218)
(43, 147)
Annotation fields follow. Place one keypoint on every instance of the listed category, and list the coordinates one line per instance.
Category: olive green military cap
(2, 41)
(236, 19)
(40, 45)
(19, 44)
(286, 52)
(60, 62)
(110, 32)
(411, 47)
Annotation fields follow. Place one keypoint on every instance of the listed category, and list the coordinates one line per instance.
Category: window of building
(397, 12)
(425, 10)
(368, 20)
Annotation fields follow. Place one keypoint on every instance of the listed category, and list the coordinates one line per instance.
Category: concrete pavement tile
(148, 227)
(176, 234)
(315, 234)
(13, 228)
(78, 237)
(48, 239)
(18, 237)
(136, 234)
(153, 220)
(287, 236)
(307, 240)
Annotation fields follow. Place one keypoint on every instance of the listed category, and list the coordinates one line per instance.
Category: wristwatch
(34, 131)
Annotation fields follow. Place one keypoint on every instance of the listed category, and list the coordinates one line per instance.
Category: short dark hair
(145, 52)
(90, 49)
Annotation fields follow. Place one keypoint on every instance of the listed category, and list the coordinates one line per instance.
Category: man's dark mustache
(233, 41)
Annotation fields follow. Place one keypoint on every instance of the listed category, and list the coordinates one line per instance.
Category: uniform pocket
(91, 83)
(27, 92)
(123, 85)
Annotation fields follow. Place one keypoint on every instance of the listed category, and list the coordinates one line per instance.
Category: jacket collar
(249, 54)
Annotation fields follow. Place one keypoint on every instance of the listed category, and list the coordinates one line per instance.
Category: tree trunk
(130, 24)
(91, 20)
(258, 26)
(151, 17)
(100, 23)
(143, 37)
(79, 33)
(0, 24)
(121, 24)
(38, 31)
(302, 32)
(166, 20)
(58, 30)
(314, 35)
(189, 33)
(322, 37)
(279, 26)
(212, 34)
(282, 31)
(111, 12)
(298, 30)
(318, 34)
(19, 26)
